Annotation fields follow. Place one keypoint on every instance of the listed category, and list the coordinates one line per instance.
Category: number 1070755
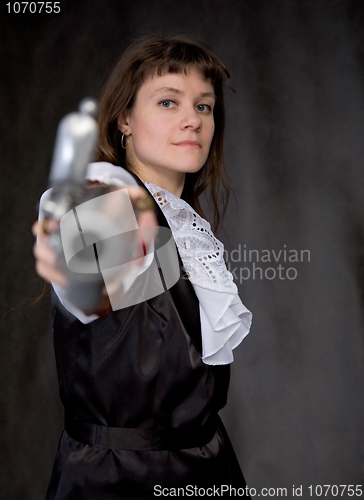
(34, 7)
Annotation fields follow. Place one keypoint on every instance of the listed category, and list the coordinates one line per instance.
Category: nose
(191, 120)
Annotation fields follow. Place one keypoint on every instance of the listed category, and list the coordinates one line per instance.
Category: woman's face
(170, 127)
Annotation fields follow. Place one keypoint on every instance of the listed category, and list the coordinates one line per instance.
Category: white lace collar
(225, 321)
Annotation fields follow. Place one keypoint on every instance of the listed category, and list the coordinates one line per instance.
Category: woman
(142, 385)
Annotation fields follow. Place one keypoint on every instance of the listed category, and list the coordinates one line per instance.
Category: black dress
(141, 408)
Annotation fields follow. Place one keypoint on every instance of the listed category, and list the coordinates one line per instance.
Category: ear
(123, 125)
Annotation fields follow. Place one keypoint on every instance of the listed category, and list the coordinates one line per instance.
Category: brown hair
(159, 55)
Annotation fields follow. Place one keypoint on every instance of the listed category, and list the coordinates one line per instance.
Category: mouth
(188, 144)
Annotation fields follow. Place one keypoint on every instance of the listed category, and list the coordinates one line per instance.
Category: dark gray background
(294, 149)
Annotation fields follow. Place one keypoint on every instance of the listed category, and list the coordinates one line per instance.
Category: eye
(204, 108)
(168, 103)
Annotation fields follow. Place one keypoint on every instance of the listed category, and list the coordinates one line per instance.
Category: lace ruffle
(225, 321)
(201, 252)
(107, 173)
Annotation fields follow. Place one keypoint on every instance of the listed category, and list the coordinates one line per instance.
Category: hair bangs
(178, 55)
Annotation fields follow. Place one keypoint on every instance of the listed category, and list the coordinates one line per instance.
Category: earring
(123, 142)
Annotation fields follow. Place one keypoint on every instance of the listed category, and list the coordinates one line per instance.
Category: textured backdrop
(294, 238)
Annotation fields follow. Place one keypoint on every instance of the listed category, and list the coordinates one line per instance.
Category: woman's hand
(47, 258)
